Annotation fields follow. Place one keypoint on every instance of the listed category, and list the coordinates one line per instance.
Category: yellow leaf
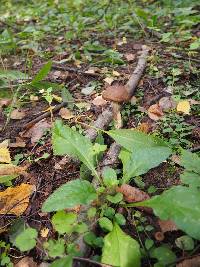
(5, 155)
(15, 200)
(57, 98)
(183, 107)
(44, 232)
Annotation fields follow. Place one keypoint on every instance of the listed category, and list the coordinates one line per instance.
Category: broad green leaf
(142, 160)
(91, 212)
(115, 199)
(67, 141)
(179, 204)
(120, 219)
(63, 262)
(43, 72)
(109, 177)
(69, 195)
(67, 97)
(92, 240)
(164, 255)
(80, 228)
(12, 75)
(106, 224)
(190, 161)
(125, 250)
(55, 248)
(132, 140)
(64, 222)
(190, 178)
(26, 240)
(6, 178)
(185, 242)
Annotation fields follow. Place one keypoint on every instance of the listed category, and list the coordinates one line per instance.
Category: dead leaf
(176, 159)
(15, 200)
(34, 98)
(116, 73)
(144, 127)
(155, 112)
(4, 102)
(19, 143)
(10, 169)
(44, 232)
(17, 114)
(26, 262)
(193, 262)
(167, 226)
(130, 57)
(60, 165)
(4, 155)
(36, 132)
(183, 107)
(116, 93)
(109, 80)
(99, 101)
(133, 100)
(57, 98)
(167, 103)
(194, 102)
(132, 194)
(66, 114)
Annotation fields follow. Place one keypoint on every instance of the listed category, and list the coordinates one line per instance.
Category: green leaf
(91, 212)
(67, 141)
(106, 224)
(116, 198)
(148, 243)
(63, 262)
(26, 240)
(185, 242)
(109, 177)
(190, 161)
(120, 219)
(64, 222)
(163, 254)
(190, 178)
(12, 75)
(91, 239)
(81, 228)
(181, 205)
(69, 195)
(67, 97)
(125, 250)
(43, 72)
(133, 140)
(56, 248)
(142, 160)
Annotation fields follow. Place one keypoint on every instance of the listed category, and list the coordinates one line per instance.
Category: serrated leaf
(69, 195)
(142, 160)
(64, 222)
(179, 204)
(56, 248)
(133, 139)
(43, 72)
(125, 250)
(67, 141)
(26, 240)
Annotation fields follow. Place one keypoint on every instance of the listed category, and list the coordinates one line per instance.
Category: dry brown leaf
(109, 80)
(167, 103)
(193, 262)
(4, 155)
(167, 226)
(15, 200)
(132, 194)
(10, 169)
(155, 112)
(183, 107)
(116, 93)
(176, 159)
(44, 232)
(144, 127)
(66, 114)
(17, 114)
(19, 143)
(99, 101)
(36, 132)
(34, 98)
(130, 57)
(4, 102)
(26, 262)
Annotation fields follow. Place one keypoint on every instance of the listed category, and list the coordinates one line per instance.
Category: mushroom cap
(117, 93)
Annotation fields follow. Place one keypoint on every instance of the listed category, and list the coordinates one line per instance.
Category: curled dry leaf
(130, 57)
(99, 101)
(14, 200)
(155, 112)
(36, 132)
(17, 114)
(144, 127)
(132, 194)
(167, 103)
(26, 262)
(193, 262)
(66, 114)
(10, 169)
(183, 107)
(167, 226)
(116, 93)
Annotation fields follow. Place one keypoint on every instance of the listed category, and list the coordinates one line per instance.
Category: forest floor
(52, 52)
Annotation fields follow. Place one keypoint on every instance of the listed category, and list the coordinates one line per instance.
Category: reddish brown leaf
(116, 93)
(66, 114)
(144, 127)
(132, 194)
(17, 114)
(99, 101)
(167, 226)
(26, 262)
(155, 112)
(193, 262)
